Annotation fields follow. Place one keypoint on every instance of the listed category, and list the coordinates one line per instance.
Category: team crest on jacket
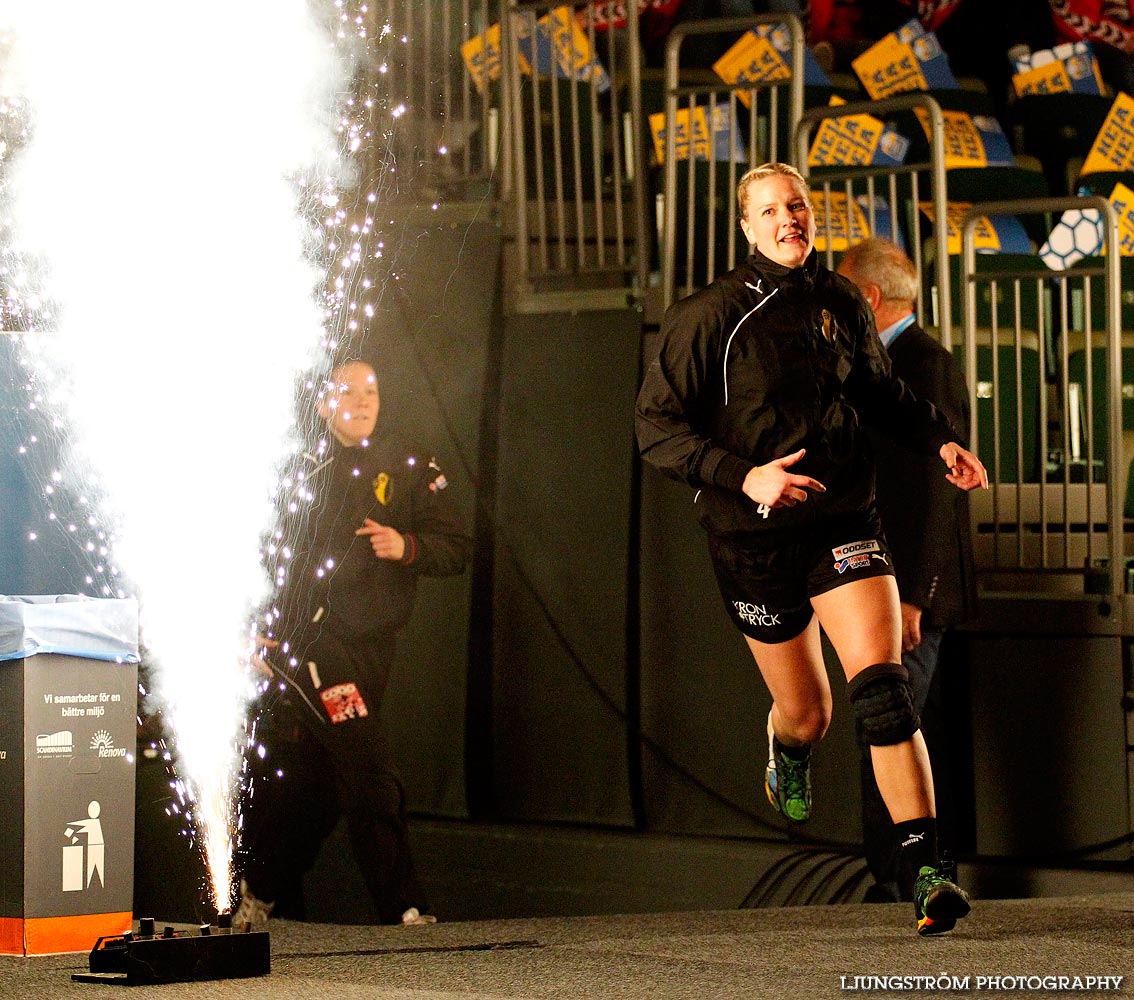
(383, 488)
(828, 326)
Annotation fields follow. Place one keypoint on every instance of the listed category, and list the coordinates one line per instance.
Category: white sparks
(175, 356)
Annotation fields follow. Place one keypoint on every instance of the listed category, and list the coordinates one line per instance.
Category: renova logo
(103, 743)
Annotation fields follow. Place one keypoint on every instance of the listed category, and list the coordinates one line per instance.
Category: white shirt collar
(890, 334)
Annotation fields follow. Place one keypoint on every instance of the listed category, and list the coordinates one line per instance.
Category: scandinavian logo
(755, 614)
(855, 555)
(103, 744)
(55, 744)
(84, 856)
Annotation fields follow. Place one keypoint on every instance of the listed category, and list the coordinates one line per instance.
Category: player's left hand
(966, 471)
(257, 659)
(386, 542)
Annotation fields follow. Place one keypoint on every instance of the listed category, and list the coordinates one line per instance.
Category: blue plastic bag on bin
(69, 624)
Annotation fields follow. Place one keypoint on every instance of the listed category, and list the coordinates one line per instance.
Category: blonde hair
(886, 265)
(769, 170)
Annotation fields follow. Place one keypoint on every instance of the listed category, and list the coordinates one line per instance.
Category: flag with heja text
(908, 59)
(856, 140)
(991, 233)
(1068, 68)
(970, 140)
(703, 134)
(763, 56)
(840, 224)
(558, 47)
(1113, 148)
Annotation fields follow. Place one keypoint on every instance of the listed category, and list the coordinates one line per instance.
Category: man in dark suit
(926, 523)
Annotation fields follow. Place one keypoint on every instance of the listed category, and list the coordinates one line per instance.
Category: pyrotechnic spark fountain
(155, 232)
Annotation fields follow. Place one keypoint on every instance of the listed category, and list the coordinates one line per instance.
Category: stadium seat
(1009, 392)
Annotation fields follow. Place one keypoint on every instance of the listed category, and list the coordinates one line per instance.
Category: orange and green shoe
(938, 901)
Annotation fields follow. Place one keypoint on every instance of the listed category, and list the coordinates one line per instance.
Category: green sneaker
(938, 901)
(788, 781)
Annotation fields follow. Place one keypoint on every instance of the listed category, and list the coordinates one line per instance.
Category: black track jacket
(331, 577)
(764, 361)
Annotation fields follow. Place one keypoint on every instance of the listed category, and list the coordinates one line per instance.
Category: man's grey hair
(885, 264)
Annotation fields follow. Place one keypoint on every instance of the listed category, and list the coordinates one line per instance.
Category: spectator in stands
(757, 399)
(926, 522)
(363, 517)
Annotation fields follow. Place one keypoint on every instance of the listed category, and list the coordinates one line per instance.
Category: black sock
(918, 840)
(797, 755)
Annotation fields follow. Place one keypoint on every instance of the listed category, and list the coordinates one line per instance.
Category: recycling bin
(68, 717)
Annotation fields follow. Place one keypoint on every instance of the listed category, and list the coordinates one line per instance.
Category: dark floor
(778, 953)
(480, 871)
(562, 913)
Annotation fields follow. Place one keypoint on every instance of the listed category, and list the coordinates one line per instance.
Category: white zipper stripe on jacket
(728, 343)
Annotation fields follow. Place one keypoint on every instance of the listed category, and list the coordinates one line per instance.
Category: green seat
(714, 201)
(1099, 410)
(1102, 182)
(540, 150)
(1097, 296)
(975, 185)
(1004, 269)
(1058, 129)
(1018, 408)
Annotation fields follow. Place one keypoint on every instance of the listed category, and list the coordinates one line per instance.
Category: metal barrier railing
(1033, 348)
(764, 131)
(574, 139)
(442, 132)
(902, 205)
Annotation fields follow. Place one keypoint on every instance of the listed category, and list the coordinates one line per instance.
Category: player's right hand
(773, 486)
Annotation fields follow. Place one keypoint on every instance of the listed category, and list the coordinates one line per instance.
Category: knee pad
(883, 705)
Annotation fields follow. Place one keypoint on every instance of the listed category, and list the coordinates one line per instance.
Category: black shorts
(767, 580)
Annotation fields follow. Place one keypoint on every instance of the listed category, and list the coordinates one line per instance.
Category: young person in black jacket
(926, 522)
(756, 399)
(362, 519)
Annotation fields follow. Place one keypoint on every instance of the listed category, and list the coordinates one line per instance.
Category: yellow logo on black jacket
(383, 488)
